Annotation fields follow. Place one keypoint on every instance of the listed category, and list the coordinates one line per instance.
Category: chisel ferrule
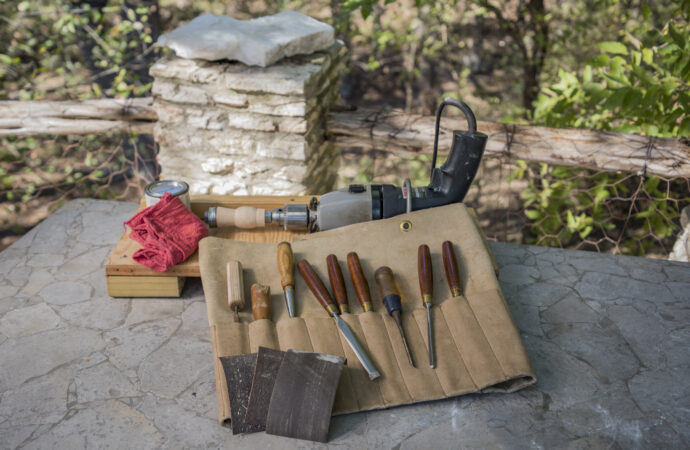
(367, 306)
(344, 308)
(427, 298)
(332, 309)
(457, 292)
(392, 303)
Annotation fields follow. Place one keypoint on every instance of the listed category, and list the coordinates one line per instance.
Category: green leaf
(677, 37)
(684, 128)
(616, 99)
(632, 98)
(613, 47)
(647, 55)
(600, 60)
(532, 214)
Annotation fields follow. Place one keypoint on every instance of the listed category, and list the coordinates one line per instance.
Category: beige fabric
(478, 347)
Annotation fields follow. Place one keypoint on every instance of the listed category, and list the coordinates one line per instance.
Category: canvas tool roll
(478, 348)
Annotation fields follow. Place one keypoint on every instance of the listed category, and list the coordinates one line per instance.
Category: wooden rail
(134, 115)
(392, 130)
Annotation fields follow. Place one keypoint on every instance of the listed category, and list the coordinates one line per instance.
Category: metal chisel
(392, 301)
(426, 287)
(319, 290)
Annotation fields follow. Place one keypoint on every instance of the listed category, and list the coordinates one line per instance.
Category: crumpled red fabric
(169, 232)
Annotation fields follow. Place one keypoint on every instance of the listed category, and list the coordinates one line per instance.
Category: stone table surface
(609, 338)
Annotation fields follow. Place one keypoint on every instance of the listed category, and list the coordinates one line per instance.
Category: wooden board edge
(144, 286)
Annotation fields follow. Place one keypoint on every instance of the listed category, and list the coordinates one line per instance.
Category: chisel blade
(351, 339)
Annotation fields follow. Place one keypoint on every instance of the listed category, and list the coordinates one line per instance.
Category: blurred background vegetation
(596, 64)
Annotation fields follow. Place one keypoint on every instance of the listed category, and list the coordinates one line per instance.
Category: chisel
(392, 301)
(426, 287)
(359, 281)
(335, 276)
(319, 290)
(286, 266)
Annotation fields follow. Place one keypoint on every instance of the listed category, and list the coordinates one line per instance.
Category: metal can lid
(174, 187)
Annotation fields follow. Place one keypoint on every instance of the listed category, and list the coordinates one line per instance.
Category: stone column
(227, 128)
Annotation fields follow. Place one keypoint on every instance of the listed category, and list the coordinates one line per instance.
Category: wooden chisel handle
(426, 278)
(359, 281)
(387, 288)
(286, 265)
(335, 276)
(450, 264)
(316, 286)
(261, 301)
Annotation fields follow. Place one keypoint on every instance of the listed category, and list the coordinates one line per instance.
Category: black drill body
(449, 183)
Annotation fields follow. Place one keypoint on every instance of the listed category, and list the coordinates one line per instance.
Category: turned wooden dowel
(245, 217)
(335, 276)
(261, 301)
(359, 281)
(235, 288)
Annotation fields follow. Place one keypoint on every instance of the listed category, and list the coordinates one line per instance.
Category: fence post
(227, 128)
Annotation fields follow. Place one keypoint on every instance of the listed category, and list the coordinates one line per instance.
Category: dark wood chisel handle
(335, 276)
(261, 302)
(426, 278)
(359, 281)
(450, 264)
(316, 286)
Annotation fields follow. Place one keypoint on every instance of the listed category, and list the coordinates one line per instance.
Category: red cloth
(169, 232)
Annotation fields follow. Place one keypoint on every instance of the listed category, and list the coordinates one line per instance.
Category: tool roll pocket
(293, 334)
(491, 312)
(366, 391)
(475, 350)
(325, 338)
(392, 387)
(421, 380)
(262, 333)
(451, 370)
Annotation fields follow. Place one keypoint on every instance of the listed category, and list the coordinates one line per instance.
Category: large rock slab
(255, 42)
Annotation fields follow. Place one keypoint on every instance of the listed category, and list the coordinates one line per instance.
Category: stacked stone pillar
(227, 128)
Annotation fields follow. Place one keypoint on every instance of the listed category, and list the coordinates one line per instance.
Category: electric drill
(360, 203)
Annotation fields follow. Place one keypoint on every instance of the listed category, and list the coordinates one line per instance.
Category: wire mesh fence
(38, 175)
(516, 201)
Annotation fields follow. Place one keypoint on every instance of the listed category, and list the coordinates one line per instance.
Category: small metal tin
(155, 191)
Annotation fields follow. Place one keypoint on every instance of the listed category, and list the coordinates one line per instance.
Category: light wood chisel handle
(286, 265)
(450, 264)
(359, 281)
(335, 276)
(261, 302)
(235, 288)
